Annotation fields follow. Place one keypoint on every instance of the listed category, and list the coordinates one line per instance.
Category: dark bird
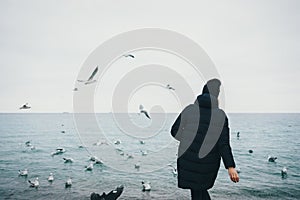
(129, 55)
(170, 87)
(250, 151)
(112, 195)
(238, 134)
(271, 158)
(25, 106)
(90, 79)
(142, 110)
(75, 89)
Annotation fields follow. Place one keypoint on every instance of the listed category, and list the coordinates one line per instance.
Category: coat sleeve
(224, 146)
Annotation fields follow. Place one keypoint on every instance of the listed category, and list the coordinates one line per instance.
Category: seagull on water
(90, 167)
(68, 182)
(25, 106)
(90, 79)
(137, 165)
(146, 186)
(68, 160)
(144, 153)
(34, 183)
(23, 172)
(284, 172)
(142, 142)
(117, 142)
(142, 110)
(51, 177)
(58, 151)
(271, 158)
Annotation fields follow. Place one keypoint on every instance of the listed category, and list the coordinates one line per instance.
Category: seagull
(169, 87)
(129, 156)
(51, 177)
(58, 151)
(32, 148)
(90, 167)
(284, 172)
(25, 106)
(98, 161)
(174, 170)
(117, 142)
(142, 110)
(68, 160)
(93, 158)
(34, 183)
(250, 151)
(68, 182)
(129, 55)
(146, 186)
(28, 144)
(144, 153)
(142, 142)
(63, 131)
(112, 195)
(90, 79)
(271, 158)
(137, 165)
(23, 172)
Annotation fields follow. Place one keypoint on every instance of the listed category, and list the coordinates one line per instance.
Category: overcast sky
(253, 44)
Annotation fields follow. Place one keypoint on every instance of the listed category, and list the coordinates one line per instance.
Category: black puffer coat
(191, 127)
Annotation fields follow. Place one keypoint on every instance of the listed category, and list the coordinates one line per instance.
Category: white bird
(28, 144)
(98, 161)
(142, 142)
(142, 110)
(117, 142)
(25, 106)
(129, 156)
(90, 167)
(137, 165)
(174, 170)
(144, 153)
(169, 87)
(58, 151)
(284, 172)
(32, 148)
(93, 158)
(50, 177)
(68, 182)
(146, 186)
(23, 172)
(34, 183)
(271, 158)
(90, 79)
(68, 160)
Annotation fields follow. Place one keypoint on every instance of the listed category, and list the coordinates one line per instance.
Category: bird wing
(93, 74)
(145, 112)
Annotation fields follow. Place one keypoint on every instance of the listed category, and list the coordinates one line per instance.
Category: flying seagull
(90, 79)
(25, 106)
(112, 195)
(170, 87)
(142, 110)
(129, 55)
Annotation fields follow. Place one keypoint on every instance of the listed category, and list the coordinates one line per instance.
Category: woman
(203, 132)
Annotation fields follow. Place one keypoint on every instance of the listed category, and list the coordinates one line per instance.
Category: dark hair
(212, 87)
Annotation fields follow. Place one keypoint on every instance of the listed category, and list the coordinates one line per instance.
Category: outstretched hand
(233, 174)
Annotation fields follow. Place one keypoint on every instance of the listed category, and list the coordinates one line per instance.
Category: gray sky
(254, 45)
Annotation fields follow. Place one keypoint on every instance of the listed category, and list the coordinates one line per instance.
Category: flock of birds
(269, 158)
(93, 160)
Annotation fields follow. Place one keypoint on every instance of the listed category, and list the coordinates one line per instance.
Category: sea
(122, 141)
